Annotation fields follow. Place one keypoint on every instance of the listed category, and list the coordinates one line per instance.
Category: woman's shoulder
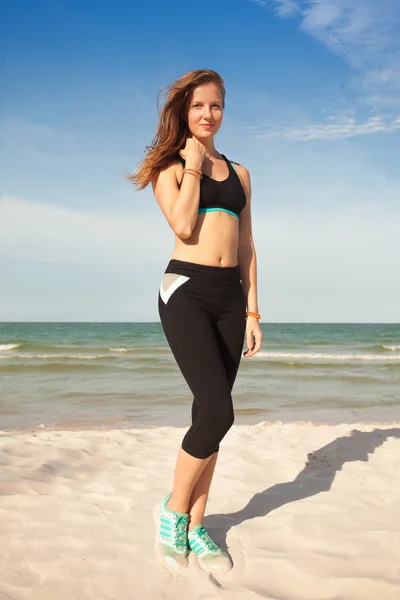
(239, 168)
(173, 169)
(173, 165)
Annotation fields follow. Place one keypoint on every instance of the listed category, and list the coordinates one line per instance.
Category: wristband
(253, 314)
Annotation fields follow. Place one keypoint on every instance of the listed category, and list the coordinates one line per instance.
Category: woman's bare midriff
(214, 241)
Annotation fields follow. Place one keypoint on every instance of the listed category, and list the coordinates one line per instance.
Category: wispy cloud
(49, 233)
(282, 7)
(364, 32)
(58, 264)
(335, 128)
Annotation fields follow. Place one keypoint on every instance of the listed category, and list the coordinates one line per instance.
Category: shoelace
(205, 539)
(180, 531)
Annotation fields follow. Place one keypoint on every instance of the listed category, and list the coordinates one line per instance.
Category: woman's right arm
(179, 205)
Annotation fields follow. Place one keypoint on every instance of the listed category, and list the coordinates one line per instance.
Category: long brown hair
(172, 128)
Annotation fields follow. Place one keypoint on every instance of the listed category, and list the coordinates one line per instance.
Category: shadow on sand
(317, 476)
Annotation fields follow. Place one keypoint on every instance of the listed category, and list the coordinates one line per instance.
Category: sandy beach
(307, 511)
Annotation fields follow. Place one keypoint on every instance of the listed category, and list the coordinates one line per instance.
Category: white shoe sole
(199, 567)
(169, 566)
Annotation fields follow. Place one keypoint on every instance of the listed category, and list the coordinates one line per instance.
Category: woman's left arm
(248, 267)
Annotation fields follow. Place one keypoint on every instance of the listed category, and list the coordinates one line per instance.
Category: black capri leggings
(202, 310)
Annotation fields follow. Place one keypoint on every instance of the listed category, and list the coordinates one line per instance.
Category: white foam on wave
(122, 349)
(325, 356)
(393, 348)
(8, 347)
(46, 356)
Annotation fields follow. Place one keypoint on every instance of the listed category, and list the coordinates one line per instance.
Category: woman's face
(205, 111)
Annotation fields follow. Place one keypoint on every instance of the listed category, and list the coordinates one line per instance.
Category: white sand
(76, 514)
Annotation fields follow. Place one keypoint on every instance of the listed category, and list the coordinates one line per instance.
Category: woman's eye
(197, 105)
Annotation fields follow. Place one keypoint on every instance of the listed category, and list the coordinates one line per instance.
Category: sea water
(124, 375)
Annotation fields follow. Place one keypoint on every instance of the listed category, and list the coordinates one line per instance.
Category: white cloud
(335, 128)
(314, 263)
(364, 32)
(283, 7)
(42, 232)
(287, 7)
(62, 264)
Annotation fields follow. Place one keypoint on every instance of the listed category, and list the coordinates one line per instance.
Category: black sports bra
(227, 195)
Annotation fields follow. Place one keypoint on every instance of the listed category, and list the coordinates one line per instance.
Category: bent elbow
(183, 233)
(182, 230)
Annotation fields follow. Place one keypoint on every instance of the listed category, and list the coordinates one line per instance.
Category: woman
(207, 286)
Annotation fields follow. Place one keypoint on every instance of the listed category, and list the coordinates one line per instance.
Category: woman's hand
(254, 337)
(193, 153)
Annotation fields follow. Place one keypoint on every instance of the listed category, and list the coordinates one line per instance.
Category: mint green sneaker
(171, 535)
(208, 555)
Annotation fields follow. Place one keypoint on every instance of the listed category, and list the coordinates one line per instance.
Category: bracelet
(253, 314)
(194, 172)
(197, 174)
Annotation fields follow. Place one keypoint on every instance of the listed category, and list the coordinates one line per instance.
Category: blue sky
(313, 111)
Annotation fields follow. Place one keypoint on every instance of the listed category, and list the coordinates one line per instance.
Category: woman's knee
(217, 426)
(224, 422)
(205, 435)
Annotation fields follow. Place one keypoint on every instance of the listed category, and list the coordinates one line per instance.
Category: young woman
(207, 286)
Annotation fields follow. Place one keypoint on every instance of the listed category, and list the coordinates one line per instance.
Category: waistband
(183, 267)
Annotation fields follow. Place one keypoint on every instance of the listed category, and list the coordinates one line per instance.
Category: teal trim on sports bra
(212, 209)
(204, 210)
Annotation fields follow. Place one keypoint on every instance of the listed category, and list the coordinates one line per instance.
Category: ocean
(94, 375)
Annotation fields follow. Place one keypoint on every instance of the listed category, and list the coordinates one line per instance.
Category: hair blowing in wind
(172, 130)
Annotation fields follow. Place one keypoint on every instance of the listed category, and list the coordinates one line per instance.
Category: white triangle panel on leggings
(167, 293)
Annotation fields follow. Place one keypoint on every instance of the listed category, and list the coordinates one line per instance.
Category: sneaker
(171, 535)
(208, 555)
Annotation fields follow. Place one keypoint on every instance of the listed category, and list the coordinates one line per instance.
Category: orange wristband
(253, 314)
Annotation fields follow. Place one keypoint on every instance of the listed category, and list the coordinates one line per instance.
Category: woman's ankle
(192, 524)
(176, 506)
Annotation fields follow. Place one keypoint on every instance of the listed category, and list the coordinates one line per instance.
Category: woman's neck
(211, 151)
